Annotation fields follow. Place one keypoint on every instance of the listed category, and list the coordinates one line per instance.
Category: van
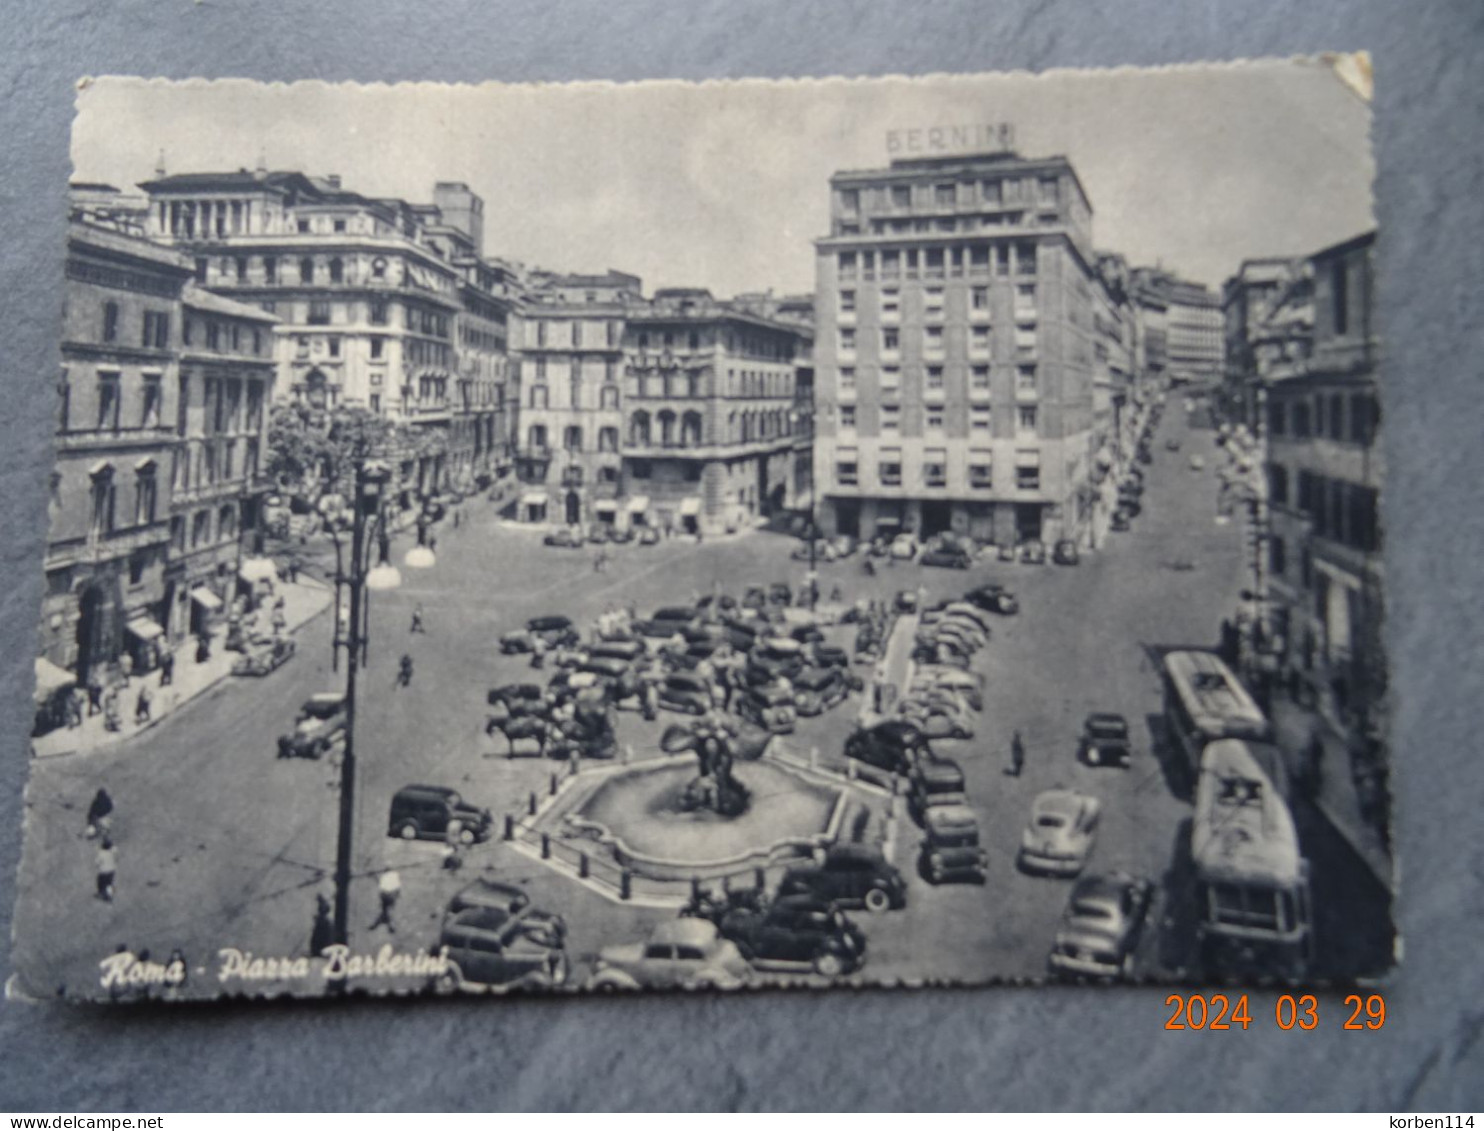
(422, 812)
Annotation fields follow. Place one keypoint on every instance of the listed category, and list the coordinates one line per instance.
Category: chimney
(333, 180)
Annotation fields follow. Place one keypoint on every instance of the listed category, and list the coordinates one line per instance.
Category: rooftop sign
(923, 141)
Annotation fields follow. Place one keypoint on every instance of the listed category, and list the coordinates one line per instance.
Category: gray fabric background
(1006, 1048)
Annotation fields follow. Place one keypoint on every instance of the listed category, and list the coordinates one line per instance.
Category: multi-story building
(217, 482)
(1247, 301)
(567, 457)
(711, 406)
(954, 359)
(1325, 468)
(110, 492)
(368, 293)
(1194, 347)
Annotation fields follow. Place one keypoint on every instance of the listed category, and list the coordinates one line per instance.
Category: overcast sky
(725, 184)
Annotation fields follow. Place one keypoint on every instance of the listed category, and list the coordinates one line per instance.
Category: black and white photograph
(714, 536)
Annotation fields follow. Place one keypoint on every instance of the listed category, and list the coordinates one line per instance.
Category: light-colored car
(939, 714)
(1060, 836)
(1100, 929)
(686, 953)
(967, 685)
(904, 547)
(1197, 463)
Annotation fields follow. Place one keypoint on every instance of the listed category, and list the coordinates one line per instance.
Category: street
(222, 844)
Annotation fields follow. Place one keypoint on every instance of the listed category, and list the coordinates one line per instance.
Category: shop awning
(143, 628)
(639, 504)
(206, 598)
(258, 569)
(50, 677)
(605, 506)
(690, 507)
(533, 499)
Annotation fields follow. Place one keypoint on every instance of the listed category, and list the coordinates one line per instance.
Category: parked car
(1066, 553)
(620, 534)
(1172, 445)
(904, 547)
(686, 692)
(1007, 553)
(566, 538)
(797, 932)
(967, 610)
(264, 656)
(844, 545)
(1197, 463)
(830, 656)
(1060, 836)
(672, 620)
(816, 690)
(553, 631)
(599, 533)
(780, 593)
(968, 685)
(774, 657)
(685, 953)
(938, 715)
(423, 812)
(849, 875)
(932, 782)
(893, 745)
(649, 536)
(319, 724)
(821, 551)
(994, 598)
(1121, 522)
(1033, 552)
(768, 705)
(489, 949)
(951, 850)
(1105, 740)
(1100, 929)
(510, 900)
(949, 557)
(629, 651)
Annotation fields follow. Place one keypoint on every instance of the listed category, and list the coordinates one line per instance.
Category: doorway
(937, 517)
(574, 509)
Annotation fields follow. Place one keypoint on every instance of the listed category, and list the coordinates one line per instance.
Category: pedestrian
(457, 515)
(292, 569)
(1313, 764)
(651, 700)
(1017, 755)
(598, 563)
(432, 543)
(538, 653)
(107, 861)
(74, 708)
(167, 667)
(126, 667)
(388, 888)
(95, 695)
(417, 619)
(453, 843)
(100, 814)
(203, 648)
(142, 705)
(280, 618)
(111, 708)
(404, 671)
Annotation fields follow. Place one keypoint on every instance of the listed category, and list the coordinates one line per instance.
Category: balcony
(90, 439)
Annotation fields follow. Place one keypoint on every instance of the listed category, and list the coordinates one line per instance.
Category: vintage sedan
(687, 693)
(1033, 552)
(968, 685)
(1100, 929)
(685, 953)
(904, 547)
(1105, 740)
(816, 690)
(1121, 522)
(951, 851)
(649, 536)
(1060, 836)
(511, 900)
(849, 875)
(566, 538)
(894, 745)
(552, 631)
(1066, 553)
(947, 557)
(264, 656)
(994, 599)
(770, 706)
(798, 932)
(820, 550)
(488, 949)
(939, 714)
(320, 723)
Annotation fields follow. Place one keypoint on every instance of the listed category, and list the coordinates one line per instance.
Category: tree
(312, 450)
(296, 447)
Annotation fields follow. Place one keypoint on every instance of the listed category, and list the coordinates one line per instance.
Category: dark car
(422, 812)
(687, 693)
(779, 593)
(775, 657)
(1033, 553)
(849, 875)
(770, 706)
(894, 745)
(667, 622)
(1122, 521)
(831, 656)
(949, 557)
(487, 948)
(756, 597)
(553, 631)
(1172, 445)
(320, 723)
(1065, 553)
(951, 850)
(512, 900)
(994, 599)
(516, 699)
(816, 690)
(1100, 928)
(1105, 740)
(565, 538)
(933, 782)
(798, 931)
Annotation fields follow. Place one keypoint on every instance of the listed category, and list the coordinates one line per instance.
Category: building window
(608, 439)
(1277, 555)
(847, 379)
(847, 302)
(1025, 340)
(270, 268)
(1336, 417)
(979, 379)
(1025, 300)
(891, 340)
(103, 501)
(1025, 259)
(932, 340)
(1307, 492)
(1277, 418)
(1363, 415)
(932, 302)
(934, 378)
(847, 470)
(1278, 484)
(979, 340)
(981, 469)
(944, 196)
(847, 416)
(1340, 294)
(891, 378)
(847, 340)
(889, 468)
(1002, 260)
(319, 314)
(934, 418)
(201, 266)
(572, 438)
(1301, 426)
(540, 396)
(979, 419)
(989, 192)
(1025, 379)
(108, 402)
(979, 299)
(935, 468)
(1025, 420)
(378, 345)
(1028, 471)
(847, 266)
(333, 344)
(306, 268)
(149, 416)
(641, 468)
(110, 321)
(200, 528)
(901, 197)
(337, 267)
(891, 418)
(156, 334)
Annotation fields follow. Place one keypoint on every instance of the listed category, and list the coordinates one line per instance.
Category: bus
(1252, 880)
(1204, 702)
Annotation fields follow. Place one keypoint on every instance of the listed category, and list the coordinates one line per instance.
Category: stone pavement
(303, 601)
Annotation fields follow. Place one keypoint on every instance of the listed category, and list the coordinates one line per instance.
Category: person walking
(389, 889)
(142, 705)
(457, 516)
(95, 695)
(107, 862)
(126, 668)
(167, 667)
(322, 934)
(404, 671)
(280, 618)
(203, 648)
(1017, 755)
(100, 814)
(453, 844)
(417, 619)
(75, 701)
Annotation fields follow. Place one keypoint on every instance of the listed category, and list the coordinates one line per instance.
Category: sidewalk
(302, 602)
(1337, 798)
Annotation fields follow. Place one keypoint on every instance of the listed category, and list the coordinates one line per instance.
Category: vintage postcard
(713, 536)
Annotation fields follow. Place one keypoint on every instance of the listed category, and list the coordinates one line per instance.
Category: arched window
(608, 439)
(610, 396)
(103, 499)
(690, 430)
(639, 429)
(667, 429)
(572, 440)
(732, 434)
(536, 437)
(226, 527)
